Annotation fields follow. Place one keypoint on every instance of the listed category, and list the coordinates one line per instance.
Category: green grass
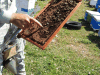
(74, 52)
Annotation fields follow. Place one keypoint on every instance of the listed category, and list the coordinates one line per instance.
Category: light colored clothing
(4, 31)
(7, 7)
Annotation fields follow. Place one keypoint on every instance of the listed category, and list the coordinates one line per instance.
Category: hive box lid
(92, 13)
(97, 18)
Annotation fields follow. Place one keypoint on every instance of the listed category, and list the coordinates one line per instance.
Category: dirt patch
(51, 19)
(82, 50)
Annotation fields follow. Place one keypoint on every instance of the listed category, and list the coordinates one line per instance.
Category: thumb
(34, 20)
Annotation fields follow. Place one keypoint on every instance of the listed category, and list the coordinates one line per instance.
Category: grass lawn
(72, 52)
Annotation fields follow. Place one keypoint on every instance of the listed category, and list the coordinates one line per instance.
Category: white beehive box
(93, 2)
(89, 14)
(95, 22)
(25, 6)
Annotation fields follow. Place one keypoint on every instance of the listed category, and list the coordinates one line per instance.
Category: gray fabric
(5, 31)
(6, 9)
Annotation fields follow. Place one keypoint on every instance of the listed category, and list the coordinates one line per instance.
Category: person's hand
(23, 21)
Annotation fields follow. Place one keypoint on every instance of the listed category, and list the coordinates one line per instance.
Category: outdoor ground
(72, 52)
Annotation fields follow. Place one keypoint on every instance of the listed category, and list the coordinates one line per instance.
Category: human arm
(23, 20)
(5, 16)
(9, 16)
(20, 20)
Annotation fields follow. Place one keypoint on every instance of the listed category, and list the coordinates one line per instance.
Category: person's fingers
(34, 20)
(23, 27)
(29, 21)
(19, 25)
(26, 23)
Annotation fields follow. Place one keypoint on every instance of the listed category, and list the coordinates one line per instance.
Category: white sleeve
(5, 16)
